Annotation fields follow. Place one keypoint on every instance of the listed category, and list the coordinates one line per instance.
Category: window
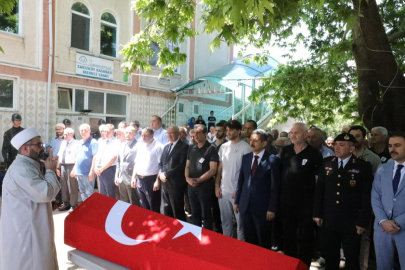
(196, 107)
(181, 107)
(10, 22)
(80, 34)
(172, 45)
(6, 93)
(107, 104)
(96, 102)
(156, 49)
(116, 104)
(108, 35)
(64, 97)
(79, 100)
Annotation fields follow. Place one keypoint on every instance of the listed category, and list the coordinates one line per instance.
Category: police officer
(97, 134)
(8, 151)
(342, 205)
(68, 124)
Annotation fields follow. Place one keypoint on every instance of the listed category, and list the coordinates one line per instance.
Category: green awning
(231, 75)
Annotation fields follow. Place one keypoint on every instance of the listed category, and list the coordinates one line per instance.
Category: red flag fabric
(137, 238)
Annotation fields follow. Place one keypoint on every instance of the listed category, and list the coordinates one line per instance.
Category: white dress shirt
(259, 159)
(173, 145)
(107, 149)
(148, 158)
(160, 136)
(71, 149)
(344, 161)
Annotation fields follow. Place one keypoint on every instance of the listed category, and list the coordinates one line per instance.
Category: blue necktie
(397, 177)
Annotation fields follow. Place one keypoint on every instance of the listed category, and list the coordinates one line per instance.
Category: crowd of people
(299, 192)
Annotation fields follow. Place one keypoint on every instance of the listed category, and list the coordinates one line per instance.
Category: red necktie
(254, 167)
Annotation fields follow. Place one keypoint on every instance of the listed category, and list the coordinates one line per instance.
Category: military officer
(342, 204)
(68, 124)
(8, 151)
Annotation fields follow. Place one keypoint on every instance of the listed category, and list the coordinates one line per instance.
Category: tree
(6, 17)
(356, 48)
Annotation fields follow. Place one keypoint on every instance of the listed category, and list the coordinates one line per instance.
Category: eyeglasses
(39, 144)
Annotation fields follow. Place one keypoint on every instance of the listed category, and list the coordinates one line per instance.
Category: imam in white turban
(24, 136)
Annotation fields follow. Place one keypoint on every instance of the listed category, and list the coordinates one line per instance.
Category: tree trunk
(381, 82)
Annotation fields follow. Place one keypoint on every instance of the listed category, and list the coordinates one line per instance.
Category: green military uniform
(343, 201)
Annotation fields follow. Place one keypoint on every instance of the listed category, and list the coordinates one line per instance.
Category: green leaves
(7, 5)
(167, 25)
(318, 90)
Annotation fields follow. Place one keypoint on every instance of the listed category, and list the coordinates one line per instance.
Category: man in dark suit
(125, 166)
(257, 191)
(342, 204)
(172, 165)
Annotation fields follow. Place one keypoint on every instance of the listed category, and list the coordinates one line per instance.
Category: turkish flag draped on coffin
(137, 238)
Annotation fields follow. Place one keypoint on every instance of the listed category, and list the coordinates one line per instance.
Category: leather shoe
(64, 207)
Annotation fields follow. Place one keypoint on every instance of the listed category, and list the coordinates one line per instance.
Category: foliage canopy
(345, 59)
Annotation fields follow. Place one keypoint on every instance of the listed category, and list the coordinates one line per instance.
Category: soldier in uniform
(8, 151)
(342, 205)
(68, 124)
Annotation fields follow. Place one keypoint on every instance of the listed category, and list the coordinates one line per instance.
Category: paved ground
(62, 249)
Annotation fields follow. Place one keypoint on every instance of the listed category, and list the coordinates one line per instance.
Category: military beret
(16, 116)
(66, 122)
(346, 137)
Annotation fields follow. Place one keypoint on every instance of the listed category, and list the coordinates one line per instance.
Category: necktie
(341, 165)
(255, 165)
(397, 177)
(170, 148)
(168, 152)
(64, 153)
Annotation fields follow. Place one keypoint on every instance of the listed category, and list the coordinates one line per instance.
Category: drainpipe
(48, 90)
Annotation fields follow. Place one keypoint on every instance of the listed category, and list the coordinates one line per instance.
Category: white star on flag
(189, 228)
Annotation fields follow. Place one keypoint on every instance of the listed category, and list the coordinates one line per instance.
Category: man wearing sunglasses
(27, 230)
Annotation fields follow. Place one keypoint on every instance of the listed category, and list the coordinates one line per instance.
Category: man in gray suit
(125, 166)
(388, 202)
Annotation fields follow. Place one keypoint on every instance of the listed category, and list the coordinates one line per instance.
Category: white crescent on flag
(113, 225)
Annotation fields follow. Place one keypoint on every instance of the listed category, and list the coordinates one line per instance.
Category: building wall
(25, 49)
(205, 60)
(221, 111)
(32, 107)
(26, 62)
(146, 95)
(65, 62)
